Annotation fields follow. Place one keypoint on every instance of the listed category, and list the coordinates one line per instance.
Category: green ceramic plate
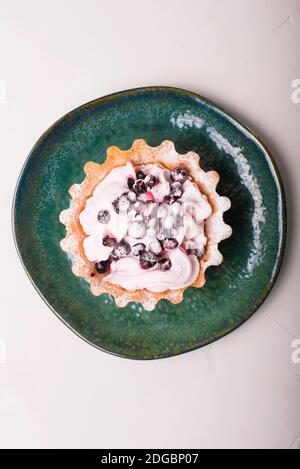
(252, 256)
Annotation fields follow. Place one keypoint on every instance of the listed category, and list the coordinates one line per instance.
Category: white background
(56, 390)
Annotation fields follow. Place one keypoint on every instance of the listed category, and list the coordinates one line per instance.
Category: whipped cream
(145, 220)
(128, 273)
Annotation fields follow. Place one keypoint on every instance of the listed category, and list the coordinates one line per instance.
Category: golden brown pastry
(145, 224)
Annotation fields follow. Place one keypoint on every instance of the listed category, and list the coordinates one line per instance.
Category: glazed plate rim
(227, 115)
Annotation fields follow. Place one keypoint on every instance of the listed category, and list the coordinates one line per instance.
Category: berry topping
(152, 223)
(150, 209)
(140, 174)
(139, 186)
(148, 259)
(168, 223)
(150, 181)
(103, 216)
(137, 249)
(195, 251)
(150, 197)
(131, 196)
(130, 182)
(115, 205)
(164, 264)
(170, 243)
(124, 203)
(177, 221)
(176, 208)
(121, 204)
(155, 247)
(122, 249)
(161, 236)
(135, 209)
(170, 199)
(138, 206)
(102, 266)
(109, 241)
(176, 190)
(132, 213)
(162, 211)
(137, 229)
(179, 174)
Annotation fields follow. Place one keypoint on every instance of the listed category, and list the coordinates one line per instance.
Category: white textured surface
(57, 391)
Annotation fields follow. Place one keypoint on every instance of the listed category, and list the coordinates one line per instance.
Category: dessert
(145, 224)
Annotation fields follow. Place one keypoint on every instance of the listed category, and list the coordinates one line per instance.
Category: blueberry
(137, 249)
(170, 199)
(124, 202)
(131, 195)
(115, 205)
(179, 174)
(162, 211)
(155, 247)
(103, 216)
(195, 251)
(121, 204)
(102, 266)
(167, 234)
(109, 241)
(139, 206)
(121, 249)
(139, 187)
(164, 264)
(176, 190)
(150, 181)
(130, 182)
(140, 174)
(176, 209)
(170, 243)
(148, 259)
(161, 236)
(137, 229)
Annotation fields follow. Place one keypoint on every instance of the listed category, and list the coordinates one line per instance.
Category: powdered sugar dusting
(139, 154)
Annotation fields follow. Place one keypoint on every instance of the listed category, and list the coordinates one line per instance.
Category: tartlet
(123, 211)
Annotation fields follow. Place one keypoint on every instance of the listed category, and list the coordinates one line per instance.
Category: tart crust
(141, 154)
